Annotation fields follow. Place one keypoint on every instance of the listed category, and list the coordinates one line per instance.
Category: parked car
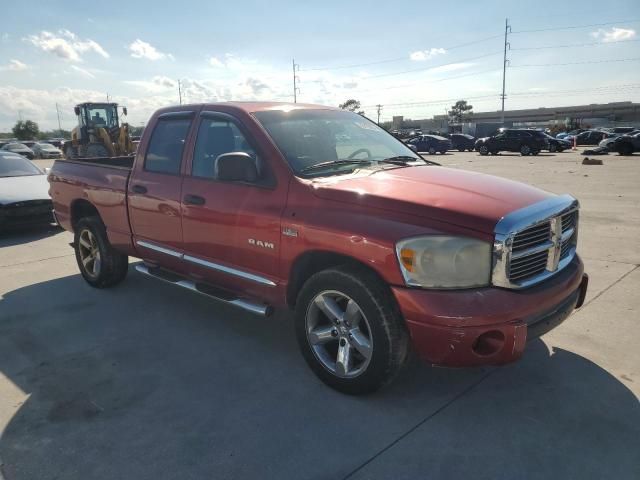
(527, 142)
(429, 143)
(375, 249)
(588, 137)
(28, 143)
(20, 149)
(462, 142)
(556, 144)
(24, 193)
(627, 144)
(46, 150)
(572, 133)
(56, 142)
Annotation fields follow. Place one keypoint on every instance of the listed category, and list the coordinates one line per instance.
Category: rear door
(231, 230)
(155, 188)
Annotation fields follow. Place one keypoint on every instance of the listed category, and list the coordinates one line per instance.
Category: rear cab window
(164, 153)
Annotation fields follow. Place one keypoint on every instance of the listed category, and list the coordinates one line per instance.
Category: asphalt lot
(147, 381)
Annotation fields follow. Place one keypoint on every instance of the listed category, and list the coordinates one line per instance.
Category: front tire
(350, 330)
(525, 150)
(553, 148)
(100, 264)
(625, 149)
(432, 151)
(483, 150)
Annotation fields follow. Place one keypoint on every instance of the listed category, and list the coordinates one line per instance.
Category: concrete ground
(147, 381)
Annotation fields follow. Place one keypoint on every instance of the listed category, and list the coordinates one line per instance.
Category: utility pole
(108, 98)
(180, 91)
(379, 109)
(296, 68)
(59, 124)
(507, 30)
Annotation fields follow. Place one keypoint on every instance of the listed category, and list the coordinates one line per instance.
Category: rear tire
(625, 149)
(525, 150)
(349, 313)
(483, 150)
(432, 151)
(100, 264)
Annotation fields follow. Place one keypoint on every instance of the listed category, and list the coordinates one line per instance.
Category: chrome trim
(252, 307)
(229, 270)
(158, 248)
(550, 210)
(205, 263)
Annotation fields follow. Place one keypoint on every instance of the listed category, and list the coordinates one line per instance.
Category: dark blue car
(429, 143)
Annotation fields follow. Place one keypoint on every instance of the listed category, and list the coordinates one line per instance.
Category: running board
(207, 290)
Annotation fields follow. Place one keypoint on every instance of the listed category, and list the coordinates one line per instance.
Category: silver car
(24, 193)
(46, 150)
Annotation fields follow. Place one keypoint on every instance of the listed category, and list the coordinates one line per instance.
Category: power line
(576, 63)
(571, 27)
(570, 45)
(396, 59)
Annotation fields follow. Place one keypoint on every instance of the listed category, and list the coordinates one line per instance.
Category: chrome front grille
(536, 242)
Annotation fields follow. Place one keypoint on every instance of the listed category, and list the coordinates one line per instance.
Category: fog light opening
(489, 343)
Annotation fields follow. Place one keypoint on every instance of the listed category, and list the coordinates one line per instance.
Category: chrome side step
(203, 289)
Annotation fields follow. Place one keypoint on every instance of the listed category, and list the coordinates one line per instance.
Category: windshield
(46, 146)
(15, 166)
(310, 137)
(102, 116)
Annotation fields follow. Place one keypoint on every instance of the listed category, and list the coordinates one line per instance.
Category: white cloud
(422, 55)
(14, 66)
(66, 45)
(216, 63)
(140, 49)
(614, 35)
(83, 72)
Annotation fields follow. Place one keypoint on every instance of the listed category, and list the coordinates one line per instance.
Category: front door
(231, 230)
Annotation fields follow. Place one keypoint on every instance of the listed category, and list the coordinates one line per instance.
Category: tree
(352, 105)
(25, 130)
(460, 111)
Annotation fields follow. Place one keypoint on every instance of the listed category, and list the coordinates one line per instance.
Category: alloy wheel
(339, 334)
(89, 253)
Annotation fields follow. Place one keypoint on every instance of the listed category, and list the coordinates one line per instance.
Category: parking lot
(147, 381)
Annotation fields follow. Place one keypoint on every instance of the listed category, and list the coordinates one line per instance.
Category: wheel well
(82, 209)
(311, 263)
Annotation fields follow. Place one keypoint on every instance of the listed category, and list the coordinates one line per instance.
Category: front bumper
(488, 326)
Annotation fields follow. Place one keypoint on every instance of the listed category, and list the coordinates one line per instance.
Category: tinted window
(167, 143)
(217, 137)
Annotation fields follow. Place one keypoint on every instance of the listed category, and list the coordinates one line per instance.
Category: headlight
(444, 262)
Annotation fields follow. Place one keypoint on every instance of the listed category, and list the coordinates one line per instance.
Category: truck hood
(22, 189)
(467, 199)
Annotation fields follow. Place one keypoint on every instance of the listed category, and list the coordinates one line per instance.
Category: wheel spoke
(352, 314)
(87, 260)
(322, 335)
(343, 360)
(361, 343)
(84, 243)
(329, 307)
(96, 265)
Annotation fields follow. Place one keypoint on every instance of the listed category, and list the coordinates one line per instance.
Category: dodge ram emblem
(260, 243)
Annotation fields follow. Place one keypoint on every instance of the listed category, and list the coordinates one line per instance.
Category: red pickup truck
(378, 251)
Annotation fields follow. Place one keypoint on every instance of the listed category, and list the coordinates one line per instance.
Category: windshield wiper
(404, 159)
(331, 163)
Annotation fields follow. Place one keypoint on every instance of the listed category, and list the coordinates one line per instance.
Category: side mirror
(235, 167)
(124, 111)
(76, 110)
(47, 170)
(412, 147)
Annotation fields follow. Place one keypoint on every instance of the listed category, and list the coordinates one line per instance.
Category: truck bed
(117, 162)
(100, 182)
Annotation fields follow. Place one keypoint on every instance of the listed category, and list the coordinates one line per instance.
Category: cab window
(164, 153)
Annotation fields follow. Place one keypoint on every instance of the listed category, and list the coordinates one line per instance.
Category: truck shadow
(145, 380)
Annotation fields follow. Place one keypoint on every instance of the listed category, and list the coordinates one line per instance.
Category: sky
(415, 58)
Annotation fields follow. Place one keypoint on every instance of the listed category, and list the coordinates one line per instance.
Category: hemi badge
(289, 232)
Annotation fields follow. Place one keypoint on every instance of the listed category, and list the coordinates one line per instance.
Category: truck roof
(249, 106)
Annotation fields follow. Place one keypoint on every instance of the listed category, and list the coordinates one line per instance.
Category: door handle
(194, 200)
(139, 189)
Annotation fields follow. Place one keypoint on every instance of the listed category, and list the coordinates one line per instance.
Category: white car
(46, 150)
(24, 193)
